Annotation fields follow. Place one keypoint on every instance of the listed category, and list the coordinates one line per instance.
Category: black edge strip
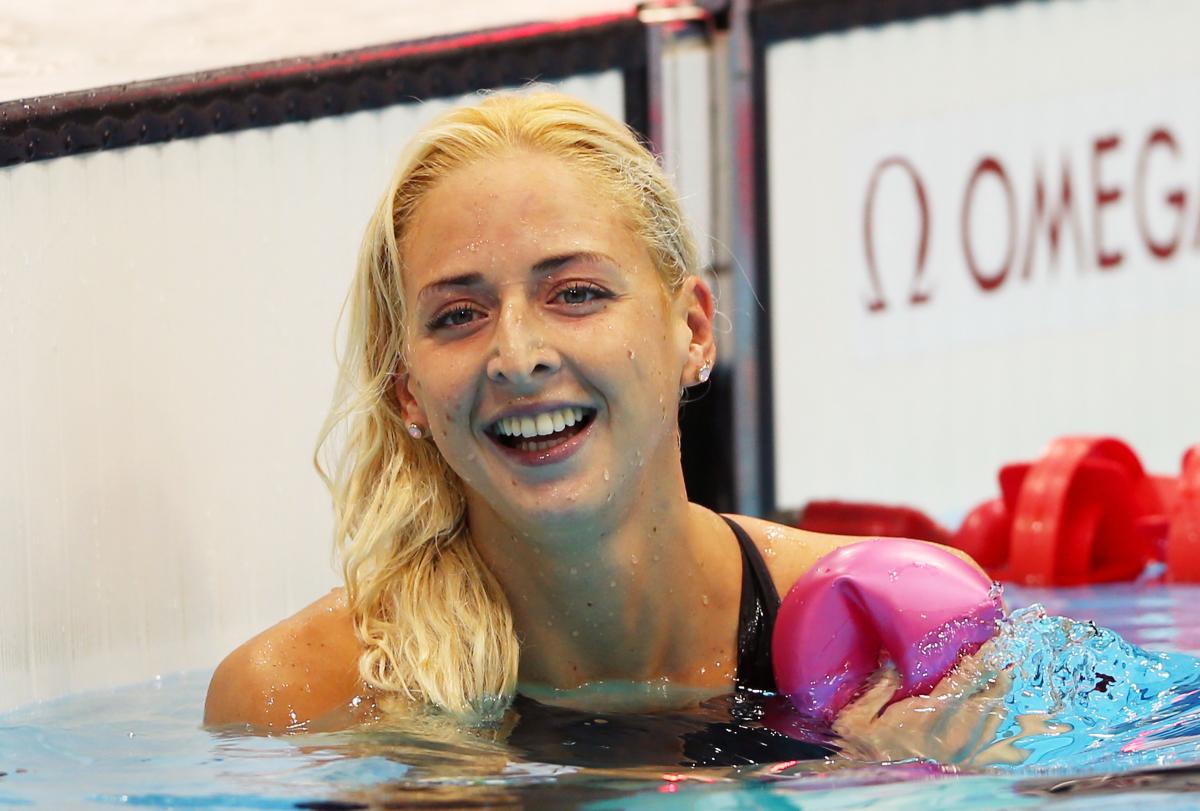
(294, 90)
(774, 21)
(637, 93)
(777, 20)
(762, 283)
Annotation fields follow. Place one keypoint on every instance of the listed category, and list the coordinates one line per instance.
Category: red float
(1086, 512)
(1183, 538)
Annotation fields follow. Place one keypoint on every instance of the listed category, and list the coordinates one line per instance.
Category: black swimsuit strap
(756, 616)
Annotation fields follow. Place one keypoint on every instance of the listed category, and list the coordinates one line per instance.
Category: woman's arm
(957, 720)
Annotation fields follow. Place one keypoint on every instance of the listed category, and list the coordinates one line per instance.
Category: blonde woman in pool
(511, 511)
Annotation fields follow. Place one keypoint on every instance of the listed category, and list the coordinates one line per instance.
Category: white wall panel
(167, 320)
(57, 46)
(921, 403)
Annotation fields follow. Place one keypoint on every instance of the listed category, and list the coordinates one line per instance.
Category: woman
(511, 510)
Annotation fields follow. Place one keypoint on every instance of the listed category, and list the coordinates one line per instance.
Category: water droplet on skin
(574, 570)
(612, 584)
(632, 354)
(575, 633)
(633, 559)
(606, 474)
(549, 623)
(704, 599)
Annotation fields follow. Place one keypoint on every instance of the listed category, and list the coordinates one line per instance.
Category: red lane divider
(1086, 512)
(1183, 538)
(1075, 514)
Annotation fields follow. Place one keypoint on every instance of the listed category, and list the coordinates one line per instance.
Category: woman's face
(545, 354)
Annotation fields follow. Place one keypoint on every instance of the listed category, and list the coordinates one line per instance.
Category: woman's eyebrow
(461, 280)
(543, 267)
(553, 263)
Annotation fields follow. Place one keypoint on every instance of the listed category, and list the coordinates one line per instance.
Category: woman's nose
(521, 356)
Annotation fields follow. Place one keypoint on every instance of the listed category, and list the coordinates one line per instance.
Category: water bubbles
(1092, 695)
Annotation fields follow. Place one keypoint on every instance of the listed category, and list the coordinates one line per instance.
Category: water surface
(1122, 726)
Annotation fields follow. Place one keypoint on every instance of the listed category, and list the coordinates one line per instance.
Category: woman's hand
(955, 724)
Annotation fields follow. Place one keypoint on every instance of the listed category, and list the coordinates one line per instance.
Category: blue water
(1114, 724)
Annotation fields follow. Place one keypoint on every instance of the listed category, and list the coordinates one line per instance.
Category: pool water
(1126, 728)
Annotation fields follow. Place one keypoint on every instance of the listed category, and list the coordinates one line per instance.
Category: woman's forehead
(520, 207)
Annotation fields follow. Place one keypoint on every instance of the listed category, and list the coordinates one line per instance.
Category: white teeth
(544, 424)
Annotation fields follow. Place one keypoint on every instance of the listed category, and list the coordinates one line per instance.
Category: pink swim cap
(910, 601)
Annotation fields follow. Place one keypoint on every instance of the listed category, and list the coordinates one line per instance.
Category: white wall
(922, 403)
(167, 319)
(57, 46)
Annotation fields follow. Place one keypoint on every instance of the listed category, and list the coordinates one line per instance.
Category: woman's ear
(696, 309)
(402, 386)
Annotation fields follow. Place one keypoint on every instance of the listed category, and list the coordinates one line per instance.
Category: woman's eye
(454, 317)
(580, 294)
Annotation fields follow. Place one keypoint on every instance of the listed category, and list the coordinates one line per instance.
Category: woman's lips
(558, 450)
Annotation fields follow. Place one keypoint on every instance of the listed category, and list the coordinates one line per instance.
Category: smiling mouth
(533, 433)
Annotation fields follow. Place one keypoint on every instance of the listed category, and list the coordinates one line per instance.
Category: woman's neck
(648, 595)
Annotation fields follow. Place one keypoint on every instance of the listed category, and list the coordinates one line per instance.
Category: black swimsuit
(756, 617)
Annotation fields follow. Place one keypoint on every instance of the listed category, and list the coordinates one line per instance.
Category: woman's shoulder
(299, 670)
(790, 552)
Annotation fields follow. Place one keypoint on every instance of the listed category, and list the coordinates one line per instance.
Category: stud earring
(704, 373)
(415, 431)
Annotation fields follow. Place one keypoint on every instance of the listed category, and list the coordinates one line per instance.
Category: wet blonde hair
(436, 627)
